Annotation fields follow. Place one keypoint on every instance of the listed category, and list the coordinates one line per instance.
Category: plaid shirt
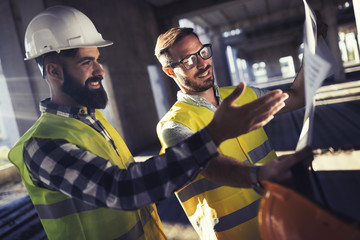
(58, 165)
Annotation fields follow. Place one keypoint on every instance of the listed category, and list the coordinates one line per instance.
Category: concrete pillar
(250, 71)
(273, 68)
(220, 65)
(15, 70)
(328, 12)
(233, 68)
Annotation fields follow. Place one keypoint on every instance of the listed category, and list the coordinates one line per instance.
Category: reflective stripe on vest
(260, 152)
(62, 209)
(196, 188)
(71, 206)
(235, 209)
(238, 217)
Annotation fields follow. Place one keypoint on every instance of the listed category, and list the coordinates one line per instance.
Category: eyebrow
(192, 53)
(85, 59)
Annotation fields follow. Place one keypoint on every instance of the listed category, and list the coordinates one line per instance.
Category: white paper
(318, 65)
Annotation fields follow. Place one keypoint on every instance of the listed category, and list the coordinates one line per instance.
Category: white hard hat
(59, 28)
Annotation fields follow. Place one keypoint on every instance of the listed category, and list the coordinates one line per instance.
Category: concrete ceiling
(224, 15)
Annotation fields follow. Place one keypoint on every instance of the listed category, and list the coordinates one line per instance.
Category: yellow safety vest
(66, 218)
(231, 213)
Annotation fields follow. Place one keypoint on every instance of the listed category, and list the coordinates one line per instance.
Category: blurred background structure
(256, 41)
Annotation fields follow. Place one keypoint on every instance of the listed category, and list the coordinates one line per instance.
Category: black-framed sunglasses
(191, 60)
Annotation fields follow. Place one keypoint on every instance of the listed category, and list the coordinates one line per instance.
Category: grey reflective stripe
(72, 206)
(196, 188)
(204, 185)
(134, 233)
(238, 217)
(260, 152)
(62, 209)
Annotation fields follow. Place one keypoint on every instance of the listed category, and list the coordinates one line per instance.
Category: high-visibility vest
(231, 213)
(66, 218)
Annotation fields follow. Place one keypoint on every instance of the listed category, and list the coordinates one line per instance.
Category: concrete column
(220, 65)
(328, 12)
(15, 70)
(249, 69)
(233, 68)
(273, 68)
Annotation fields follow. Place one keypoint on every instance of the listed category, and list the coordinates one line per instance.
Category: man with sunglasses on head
(233, 211)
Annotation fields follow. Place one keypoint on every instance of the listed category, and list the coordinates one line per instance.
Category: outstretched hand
(230, 121)
(279, 169)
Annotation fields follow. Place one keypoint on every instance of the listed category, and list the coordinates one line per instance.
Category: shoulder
(173, 132)
(248, 95)
(259, 91)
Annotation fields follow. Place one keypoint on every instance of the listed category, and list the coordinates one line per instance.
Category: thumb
(239, 90)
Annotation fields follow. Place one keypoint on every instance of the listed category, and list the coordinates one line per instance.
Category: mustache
(207, 68)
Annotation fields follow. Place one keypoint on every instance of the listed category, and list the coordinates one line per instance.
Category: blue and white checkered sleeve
(62, 166)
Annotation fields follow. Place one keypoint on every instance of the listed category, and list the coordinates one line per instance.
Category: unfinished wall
(130, 24)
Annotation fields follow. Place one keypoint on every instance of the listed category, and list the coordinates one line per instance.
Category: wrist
(254, 178)
(216, 138)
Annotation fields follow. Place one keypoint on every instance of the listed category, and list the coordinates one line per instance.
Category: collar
(197, 100)
(65, 111)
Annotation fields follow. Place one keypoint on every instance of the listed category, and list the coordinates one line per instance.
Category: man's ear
(54, 70)
(169, 71)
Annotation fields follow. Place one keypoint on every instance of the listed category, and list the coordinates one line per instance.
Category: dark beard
(194, 87)
(82, 95)
(199, 88)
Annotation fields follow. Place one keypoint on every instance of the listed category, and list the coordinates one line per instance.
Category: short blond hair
(166, 40)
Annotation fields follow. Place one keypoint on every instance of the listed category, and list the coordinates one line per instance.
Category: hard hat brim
(103, 43)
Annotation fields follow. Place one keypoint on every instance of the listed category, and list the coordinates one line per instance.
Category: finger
(273, 107)
(270, 107)
(305, 152)
(270, 98)
(266, 102)
(261, 123)
(261, 117)
(299, 156)
(239, 90)
(285, 178)
(264, 118)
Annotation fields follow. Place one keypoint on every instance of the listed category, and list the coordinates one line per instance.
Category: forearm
(84, 176)
(296, 93)
(231, 172)
(228, 171)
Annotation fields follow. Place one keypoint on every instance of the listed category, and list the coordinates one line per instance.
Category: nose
(201, 63)
(98, 70)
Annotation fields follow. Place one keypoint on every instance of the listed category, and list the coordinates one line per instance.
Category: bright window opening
(287, 66)
(260, 73)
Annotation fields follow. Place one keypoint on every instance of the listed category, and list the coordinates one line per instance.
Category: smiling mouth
(94, 85)
(205, 74)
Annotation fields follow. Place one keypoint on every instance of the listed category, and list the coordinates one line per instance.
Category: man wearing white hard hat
(79, 173)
